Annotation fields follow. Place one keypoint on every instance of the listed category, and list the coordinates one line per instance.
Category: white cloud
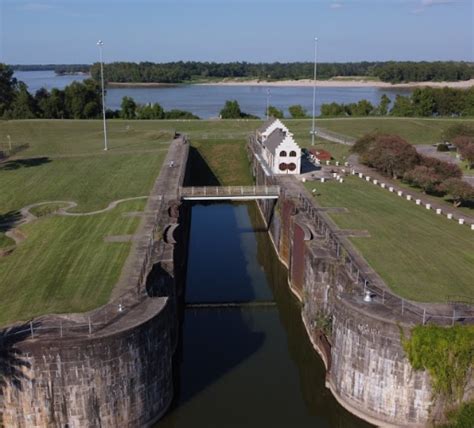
(335, 5)
(35, 7)
(424, 4)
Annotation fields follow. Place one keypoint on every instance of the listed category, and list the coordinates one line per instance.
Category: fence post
(454, 316)
(90, 326)
(403, 304)
(424, 316)
(31, 329)
(61, 328)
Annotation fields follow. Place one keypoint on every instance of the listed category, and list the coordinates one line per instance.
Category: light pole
(313, 130)
(100, 43)
(268, 102)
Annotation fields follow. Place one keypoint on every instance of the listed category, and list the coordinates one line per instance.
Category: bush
(461, 192)
(364, 143)
(461, 417)
(442, 169)
(442, 147)
(391, 155)
(423, 177)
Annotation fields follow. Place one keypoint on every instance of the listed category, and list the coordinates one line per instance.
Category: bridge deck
(242, 193)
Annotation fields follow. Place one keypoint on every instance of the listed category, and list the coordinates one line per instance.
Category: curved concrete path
(27, 216)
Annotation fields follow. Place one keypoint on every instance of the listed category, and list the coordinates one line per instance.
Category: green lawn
(64, 264)
(420, 255)
(414, 130)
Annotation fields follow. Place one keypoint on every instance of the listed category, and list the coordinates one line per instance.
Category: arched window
(282, 153)
(283, 166)
(291, 166)
(293, 154)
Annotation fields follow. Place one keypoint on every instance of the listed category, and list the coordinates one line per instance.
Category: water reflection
(248, 367)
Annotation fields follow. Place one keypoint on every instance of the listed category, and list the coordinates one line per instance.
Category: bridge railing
(223, 191)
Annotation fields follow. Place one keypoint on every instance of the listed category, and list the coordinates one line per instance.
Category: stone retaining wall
(359, 342)
(116, 369)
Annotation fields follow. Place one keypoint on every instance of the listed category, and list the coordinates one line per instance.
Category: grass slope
(64, 265)
(420, 255)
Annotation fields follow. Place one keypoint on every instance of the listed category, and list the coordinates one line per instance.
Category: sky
(66, 31)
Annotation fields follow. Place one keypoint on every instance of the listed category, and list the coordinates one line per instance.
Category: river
(244, 367)
(206, 101)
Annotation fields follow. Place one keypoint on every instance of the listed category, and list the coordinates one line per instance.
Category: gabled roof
(274, 140)
(266, 124)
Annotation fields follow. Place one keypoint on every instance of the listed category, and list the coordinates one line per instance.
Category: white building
(279, 149)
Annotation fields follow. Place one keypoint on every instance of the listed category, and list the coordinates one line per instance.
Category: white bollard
(367, 178)
(303, 180)
(353, 172)
(461, 221)
(376, 181)
(346, 163)
(438, 211)
(323, 179)
(400, 193)
(334, 174)
(328, 163)
(337, 163)
(382, 185)
(341, 180)
(390, 189)
(472, 226)
(408, 197)
(449, 215)
(428, 206)
(360, 175)
(418, 202)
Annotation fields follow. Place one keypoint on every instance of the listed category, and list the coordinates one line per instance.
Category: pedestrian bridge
(233, 193)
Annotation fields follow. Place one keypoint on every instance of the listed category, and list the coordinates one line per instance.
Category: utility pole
(313, 130)
(100, 43)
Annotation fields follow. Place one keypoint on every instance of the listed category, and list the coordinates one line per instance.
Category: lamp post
(268, 102)
(100, 43)
(313, 130)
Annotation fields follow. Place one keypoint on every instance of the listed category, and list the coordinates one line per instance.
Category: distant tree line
(422, 102)
(79, 100)
(57, 68)
(181, 72)
(391, 155)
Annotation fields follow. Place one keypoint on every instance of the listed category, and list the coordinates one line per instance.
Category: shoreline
(462, 84)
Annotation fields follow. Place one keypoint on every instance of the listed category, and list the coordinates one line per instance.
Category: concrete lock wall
(367, 369)
(111, 367)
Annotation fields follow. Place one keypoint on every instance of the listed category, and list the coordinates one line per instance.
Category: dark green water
(249, 367)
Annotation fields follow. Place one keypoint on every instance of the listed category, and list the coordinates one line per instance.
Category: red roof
(321, 154)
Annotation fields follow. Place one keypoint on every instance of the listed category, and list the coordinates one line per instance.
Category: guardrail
(372, 287)
(223, 192)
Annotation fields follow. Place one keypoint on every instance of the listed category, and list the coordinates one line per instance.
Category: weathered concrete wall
(111, 367)
(359, 342)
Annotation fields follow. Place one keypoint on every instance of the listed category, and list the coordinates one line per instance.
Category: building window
(293, 154)
(283, 166)
(291, 166)
(282, 153)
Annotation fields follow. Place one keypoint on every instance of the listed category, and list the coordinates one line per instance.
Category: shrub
(461, 192)
(391, 155)
(442, 147)
(423, 177)
(442, 169)
(364, 143)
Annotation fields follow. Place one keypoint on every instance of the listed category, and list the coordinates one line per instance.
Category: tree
(423, 177)
(364, 143)
(8, 87)
(297, 111)
(461, 192)
(442, 169)
(23, 106)
(78, 95)
(383, 106)
(274, 112)
(150, 111)
(180, 114)
(391, 155)
(423, 102)
(362, 108)
(402, 106)
(231, 110)
(333, 109)
(128, 108)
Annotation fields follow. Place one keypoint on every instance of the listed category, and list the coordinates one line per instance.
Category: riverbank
(337, 83)
(332, 83)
